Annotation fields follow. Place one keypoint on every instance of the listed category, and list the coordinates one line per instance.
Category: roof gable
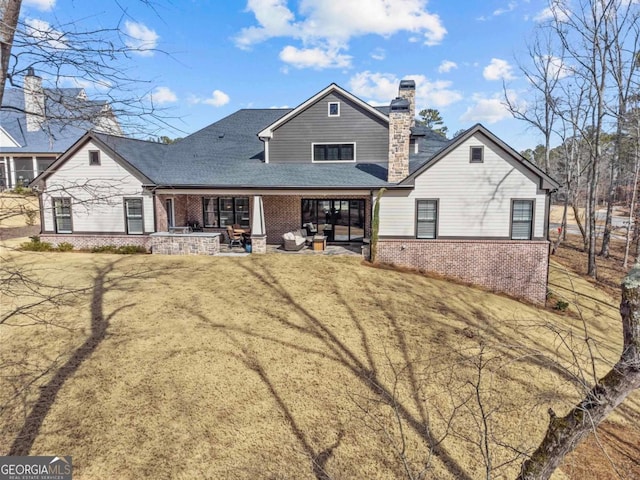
(104, 144)
(333, 88)
(545, 181)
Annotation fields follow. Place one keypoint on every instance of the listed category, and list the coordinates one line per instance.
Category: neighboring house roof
(68, 117)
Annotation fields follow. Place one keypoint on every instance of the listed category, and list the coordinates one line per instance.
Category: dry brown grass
(278, 366)
(14, 208)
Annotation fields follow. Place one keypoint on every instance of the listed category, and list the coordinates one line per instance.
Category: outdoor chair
(234, 238)
(293, 241)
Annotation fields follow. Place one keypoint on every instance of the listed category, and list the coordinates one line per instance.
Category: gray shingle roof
(229, 153)
(66, 122)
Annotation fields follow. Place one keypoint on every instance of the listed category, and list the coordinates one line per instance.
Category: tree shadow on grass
(25, 439)
(364, 369)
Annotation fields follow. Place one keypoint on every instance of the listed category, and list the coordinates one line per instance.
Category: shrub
(65, 247)
(123, 250)
(35, 245)
(30, 216)
(22, 190)
(561, 305)
(104, 249)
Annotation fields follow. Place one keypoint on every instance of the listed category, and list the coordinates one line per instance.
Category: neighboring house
(37, 124)
(470, 208)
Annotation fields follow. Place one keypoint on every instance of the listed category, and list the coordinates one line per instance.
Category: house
(470, 208)
(38, 124)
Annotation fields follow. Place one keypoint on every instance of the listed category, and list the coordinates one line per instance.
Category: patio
(353, 250)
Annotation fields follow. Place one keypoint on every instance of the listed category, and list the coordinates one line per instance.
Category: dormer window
(334, 109)
(476, 155)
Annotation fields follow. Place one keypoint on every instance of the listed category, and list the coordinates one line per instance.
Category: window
(427, 218)
(477, 155)
(223, 211)
(521, 219)
(133, 214)
(94, 157)
(334, 109)
(334, 152)
(62, 214)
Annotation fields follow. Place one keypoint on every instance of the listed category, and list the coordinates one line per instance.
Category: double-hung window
(427, 218)
(522, 219)
(62, 214)
(133, 215)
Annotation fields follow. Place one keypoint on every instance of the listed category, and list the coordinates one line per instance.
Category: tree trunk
(606, 235)
(563, 227)
(590, 220)
(564, 434)
(632, 226)
(9, 11)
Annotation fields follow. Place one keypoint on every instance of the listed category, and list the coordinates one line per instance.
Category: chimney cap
(399, 104)
(407, 85)
(31, 72)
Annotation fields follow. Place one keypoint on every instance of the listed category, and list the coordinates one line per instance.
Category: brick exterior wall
(516, 268)
(190, 244)
(80, 241)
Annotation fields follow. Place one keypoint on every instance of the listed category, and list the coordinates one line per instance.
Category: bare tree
(565, 433)
(69, 54)
(546, 70)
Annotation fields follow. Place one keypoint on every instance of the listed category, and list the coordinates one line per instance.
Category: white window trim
(329, 109)
(313, 144)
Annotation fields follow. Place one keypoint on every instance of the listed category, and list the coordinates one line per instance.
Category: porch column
(258, 230)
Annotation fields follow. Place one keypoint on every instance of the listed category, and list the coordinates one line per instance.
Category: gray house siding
(292, 141)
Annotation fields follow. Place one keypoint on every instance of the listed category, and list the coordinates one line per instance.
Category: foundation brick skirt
(196, 243)
(518, 268)
(82, 241)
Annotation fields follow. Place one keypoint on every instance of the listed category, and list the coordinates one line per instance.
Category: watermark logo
(36, 468)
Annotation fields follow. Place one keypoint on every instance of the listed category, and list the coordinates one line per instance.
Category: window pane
(135, 225)
(319, 152)
(427, 215)
(522, 220)
(133, 209)
(62, 214)
(333, 152)
(347, 152)
(210, 212)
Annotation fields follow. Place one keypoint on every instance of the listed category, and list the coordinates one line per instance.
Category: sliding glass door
(340, 220)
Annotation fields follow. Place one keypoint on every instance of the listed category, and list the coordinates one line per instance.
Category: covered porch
(343, 217)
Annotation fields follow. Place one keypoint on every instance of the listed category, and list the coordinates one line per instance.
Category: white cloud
(42, 5)
(162, 95)
(447, 66)
(501, 11)
(555, 10)
(314, 58)
(381, 88)
(498, 70)
(218, 99)
(141, 38)
(42, 31)
(487, 110)
(554, 66)
(331, 24)
(378, 54)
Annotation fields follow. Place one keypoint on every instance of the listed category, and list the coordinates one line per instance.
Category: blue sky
(207, 59)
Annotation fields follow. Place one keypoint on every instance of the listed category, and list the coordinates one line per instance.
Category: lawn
(284, 366)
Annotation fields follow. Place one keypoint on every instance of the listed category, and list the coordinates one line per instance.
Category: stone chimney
(400, 121)
(407, 91)
(33, 101)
